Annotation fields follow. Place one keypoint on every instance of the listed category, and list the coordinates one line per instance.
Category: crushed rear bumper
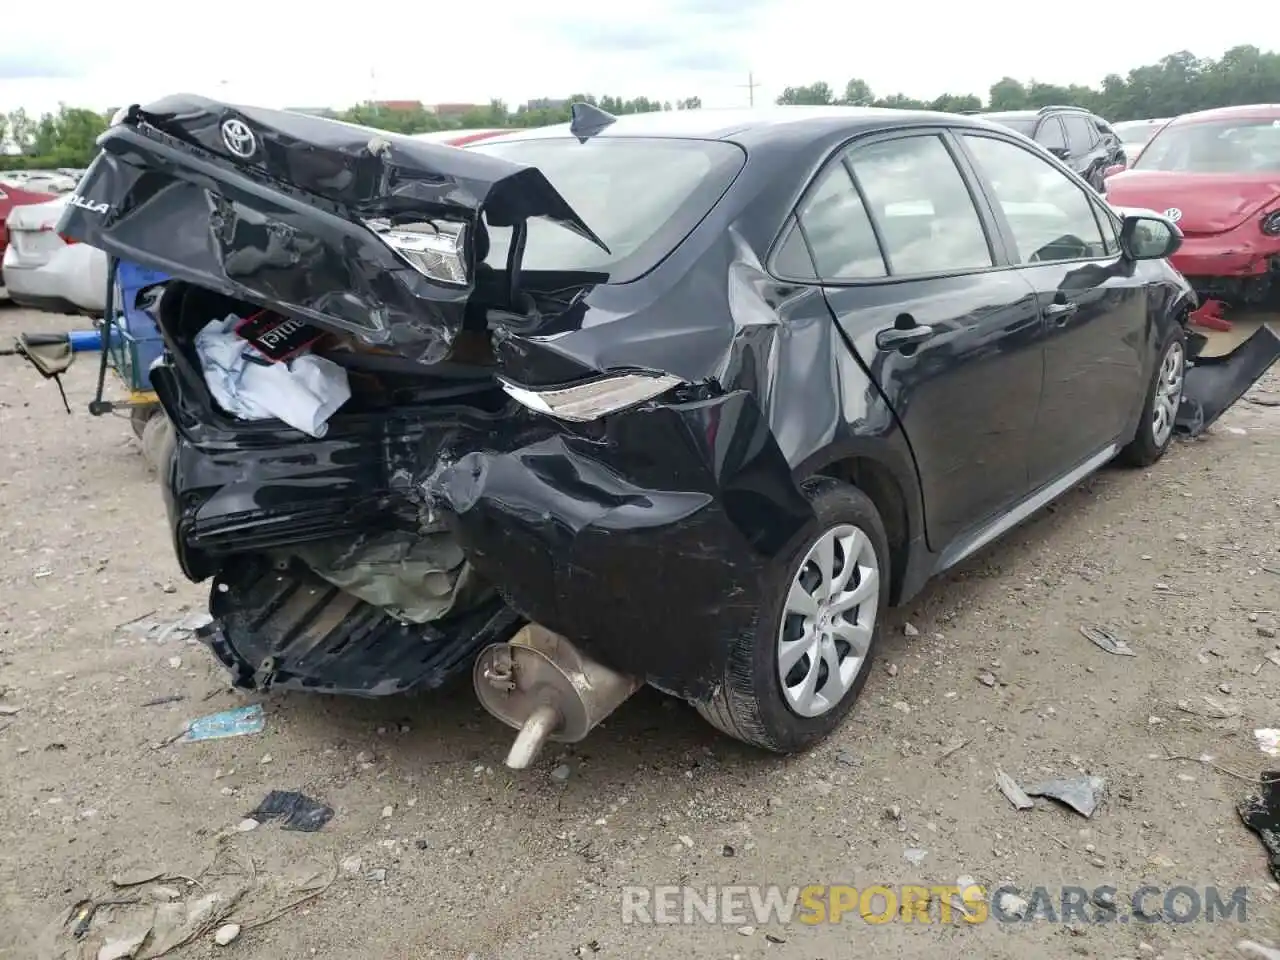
(642, 539)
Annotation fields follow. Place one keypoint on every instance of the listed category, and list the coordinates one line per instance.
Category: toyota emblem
(1174, 214)
(239, 139)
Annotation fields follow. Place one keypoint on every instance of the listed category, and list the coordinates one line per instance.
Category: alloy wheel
(1168, 396)
(828, 620)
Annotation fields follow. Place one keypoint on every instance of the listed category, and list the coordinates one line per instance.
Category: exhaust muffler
(546, 688)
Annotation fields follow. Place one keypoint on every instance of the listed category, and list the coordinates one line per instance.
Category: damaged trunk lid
(354, 229)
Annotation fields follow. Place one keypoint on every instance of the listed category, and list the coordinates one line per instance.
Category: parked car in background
(699, 393)
(1083, 141)
(460, 138)
(41, 181)
(1136, 134)
(45, 270)
(12, 196)
(1216, 174)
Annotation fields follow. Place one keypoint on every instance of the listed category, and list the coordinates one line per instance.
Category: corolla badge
(239, 139)
(1174, 214)
(76, 200)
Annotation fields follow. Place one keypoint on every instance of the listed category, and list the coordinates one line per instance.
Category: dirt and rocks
(435, 850)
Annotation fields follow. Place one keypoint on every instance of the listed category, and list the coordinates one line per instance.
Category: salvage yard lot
(458, 856)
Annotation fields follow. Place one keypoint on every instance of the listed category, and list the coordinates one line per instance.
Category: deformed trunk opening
(405, 562)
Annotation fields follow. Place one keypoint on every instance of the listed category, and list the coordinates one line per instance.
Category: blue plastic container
(140, 341)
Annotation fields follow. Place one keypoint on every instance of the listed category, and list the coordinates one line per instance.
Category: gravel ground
(458, 856)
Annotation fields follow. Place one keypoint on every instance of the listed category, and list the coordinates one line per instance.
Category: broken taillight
(437, 255)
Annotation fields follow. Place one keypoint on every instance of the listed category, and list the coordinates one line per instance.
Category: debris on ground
(1012, 792)
(914, 855)
(1108, 641)
(1011, 905)
(1081, 794)
(136, 877)
(148, 630)
(123, 947)
(296, 810)
(226, 933)
(987, 678)
(1257, 951)
(954, 747)
(1268, 741)
(909, 631)
(82, 913)
(1213, 709)
(161, 701)
(229, 723)
(1261, 814)
(8, 710)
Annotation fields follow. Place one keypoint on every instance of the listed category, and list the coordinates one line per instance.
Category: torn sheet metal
(1214, 384)
(280, 213)
(1261, 814)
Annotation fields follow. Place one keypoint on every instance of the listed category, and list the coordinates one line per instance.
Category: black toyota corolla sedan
(685, 399)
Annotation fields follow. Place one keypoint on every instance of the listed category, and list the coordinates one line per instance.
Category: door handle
(897, 338)
(1060, 313)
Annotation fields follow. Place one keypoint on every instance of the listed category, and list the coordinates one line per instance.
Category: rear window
(641, 196)
(1023, 125)
(1132, 135)
(1216, 146)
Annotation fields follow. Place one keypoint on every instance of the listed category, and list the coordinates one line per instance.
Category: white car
(42, 271)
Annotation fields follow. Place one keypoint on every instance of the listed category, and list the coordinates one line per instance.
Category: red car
(1217, 175)
(10, 197)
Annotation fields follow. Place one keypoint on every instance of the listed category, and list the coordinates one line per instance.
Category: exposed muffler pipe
(546, 688)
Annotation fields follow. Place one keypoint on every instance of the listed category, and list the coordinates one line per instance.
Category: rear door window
(1080, 133)
(920, 202)
(1050, 134)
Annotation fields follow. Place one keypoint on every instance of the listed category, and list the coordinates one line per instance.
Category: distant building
(546, 103)
(405, 105)
(456, 109)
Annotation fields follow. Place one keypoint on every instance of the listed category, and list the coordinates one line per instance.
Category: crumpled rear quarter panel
(644, 545)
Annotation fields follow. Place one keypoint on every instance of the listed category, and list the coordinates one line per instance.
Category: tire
(1151, 441)
(750, 704)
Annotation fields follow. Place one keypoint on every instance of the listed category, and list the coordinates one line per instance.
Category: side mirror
(1149, 237)
(1112, 170)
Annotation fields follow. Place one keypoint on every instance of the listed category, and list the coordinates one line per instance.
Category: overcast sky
(260, 51)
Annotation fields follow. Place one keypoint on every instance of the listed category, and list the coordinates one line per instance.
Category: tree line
(1179, 83)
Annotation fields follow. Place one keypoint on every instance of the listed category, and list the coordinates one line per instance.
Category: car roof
(755, 126)
(1249, 111)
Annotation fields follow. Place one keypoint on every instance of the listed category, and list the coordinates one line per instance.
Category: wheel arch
(894, 492)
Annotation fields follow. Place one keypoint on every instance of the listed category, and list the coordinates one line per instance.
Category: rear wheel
(793, 677)
(1155, 427)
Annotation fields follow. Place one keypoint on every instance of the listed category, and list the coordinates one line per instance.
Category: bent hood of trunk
(1206, 203)
(275, 208)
